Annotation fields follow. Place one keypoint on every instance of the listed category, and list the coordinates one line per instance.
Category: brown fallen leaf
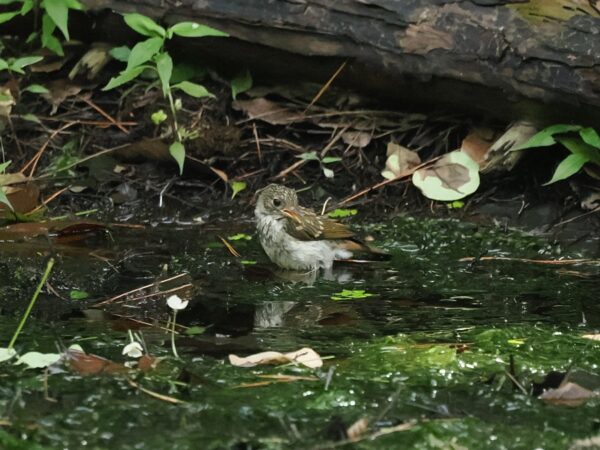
(305, 356)
(399, 160)
(59, 90)
(568, 394)
(267, 111)
(358, 139)
(477, 144)
(88, 364)
(357, 430)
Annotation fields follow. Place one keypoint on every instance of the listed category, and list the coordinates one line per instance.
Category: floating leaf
(37, 360)
(351, 294)
(241, 83)
(76, 294)
(237, 187)
(240, 236)
(305, 356)
(452, 177)
(340, 213)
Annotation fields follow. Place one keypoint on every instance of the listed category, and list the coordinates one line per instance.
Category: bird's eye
(276, 202)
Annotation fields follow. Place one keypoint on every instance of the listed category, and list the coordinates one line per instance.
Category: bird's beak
(295, 216)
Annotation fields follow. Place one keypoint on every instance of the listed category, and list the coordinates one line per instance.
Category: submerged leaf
(568, 394)
(351, 294)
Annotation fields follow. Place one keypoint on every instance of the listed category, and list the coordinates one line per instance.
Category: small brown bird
(297, 238)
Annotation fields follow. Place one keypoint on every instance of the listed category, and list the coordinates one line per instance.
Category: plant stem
(174, 116)
(49, 266)
(173, 334)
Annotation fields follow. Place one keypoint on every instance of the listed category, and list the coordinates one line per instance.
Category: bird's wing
(306, 225)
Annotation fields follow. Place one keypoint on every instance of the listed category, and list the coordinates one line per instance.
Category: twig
(156, 395)
(33, 161)
(104, 114)
(325, 87)
(124, 294)
(257, 140)
(551, 262)
(230, 247)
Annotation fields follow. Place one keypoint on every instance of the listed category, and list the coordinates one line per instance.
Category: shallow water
(431, 344)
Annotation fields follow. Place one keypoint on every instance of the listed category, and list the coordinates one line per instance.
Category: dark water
(431, 344)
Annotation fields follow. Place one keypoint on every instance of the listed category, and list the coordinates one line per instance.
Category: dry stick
(325, 87)
(168, 291)
(33, 161)
(257, 140)
(48, 200)
(229, 247)
(156, 395)
(404, 174)
(104, 114)
(124, 294)
(552, 262)
(99, 123)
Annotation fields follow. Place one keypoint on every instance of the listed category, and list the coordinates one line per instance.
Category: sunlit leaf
(37, 360)
(124, 77)
(144, 25)
(164, 66)
(193, 89)
(177, 151)
(340, 213)
(545, 137)
(237, 187)
(450, 178)
(143, 52)
(192, 331)
(241, 83)
(192, 29)
(59, 13)
(158, 117)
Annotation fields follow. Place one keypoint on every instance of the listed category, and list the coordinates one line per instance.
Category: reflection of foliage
(583, 143)
(351, 294)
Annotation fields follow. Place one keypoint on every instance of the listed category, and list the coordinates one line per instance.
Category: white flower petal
(176, 304)
(7, 353)
(133, 350)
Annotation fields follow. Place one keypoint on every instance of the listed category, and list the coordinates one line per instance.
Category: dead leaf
(146, 148)
(593, 337)
(500, 157)
(358, 139)
(267, 111)
(61, 229)
(357, 429)
(399, 160)
(477, 144)
(147, 363)
(305, 356)
(93, 61)
(88, 364)
(568, 394)
(59, 91)
(23, 195)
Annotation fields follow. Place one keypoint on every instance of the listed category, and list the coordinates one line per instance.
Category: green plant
(583, 143)
(150, 55)
(312, 156)
(3, 178)
(55, 15)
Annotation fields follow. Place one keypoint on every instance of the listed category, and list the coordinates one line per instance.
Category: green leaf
(7, 16)
(36, 89)
(237, 187)
(144, 25)
(49, 41)
(124, 77)
(241, 83)
(339, 213)
(76, 294)
(27, 6)
(177, 151)
(120, 53)
(164, 67)
(590, 137)
(330, 159)
(328, 172)
(248, 262)
(568, 166)
(158, 117)
(193, 89)
(143, 52)
(192, 29)
(351, 294)
(4, 199)
(18, 64)
(59, 12)
(7, 353)
(3, 64)
(239, 237)
(545, 137)
(37, 360)
(192, 331)
(4, 165)
(578, 147)
(308, 156)
(31, 118)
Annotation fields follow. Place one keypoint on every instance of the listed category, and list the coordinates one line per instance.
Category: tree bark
(532, 59)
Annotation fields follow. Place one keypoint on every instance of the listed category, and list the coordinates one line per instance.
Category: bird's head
(276, 200)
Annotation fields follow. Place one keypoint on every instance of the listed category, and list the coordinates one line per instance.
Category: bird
(297, 238)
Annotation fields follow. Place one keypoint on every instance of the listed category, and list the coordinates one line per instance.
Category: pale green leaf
(143, 52)
(192, 29)
(120, 53)
(192, 331)
(177, 151)
(331, 159)
(340, 213)
(193, 89)
(36, 89)
(328, 172)
(7, 353)
(3, 64)
(351, 294)
(164, 67)
(158, 117)
(124, 77)
(4, 199)
(237, 187)
(545, 137)
(4, 165)
(7, 16)
(31, 118)
(568, 166)
(37, 360)
(49, 41)
(308, 156)
(578, 147)
(59, 12)
(241, 83)
(77, 294)
(18, 64)
(144, 25)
